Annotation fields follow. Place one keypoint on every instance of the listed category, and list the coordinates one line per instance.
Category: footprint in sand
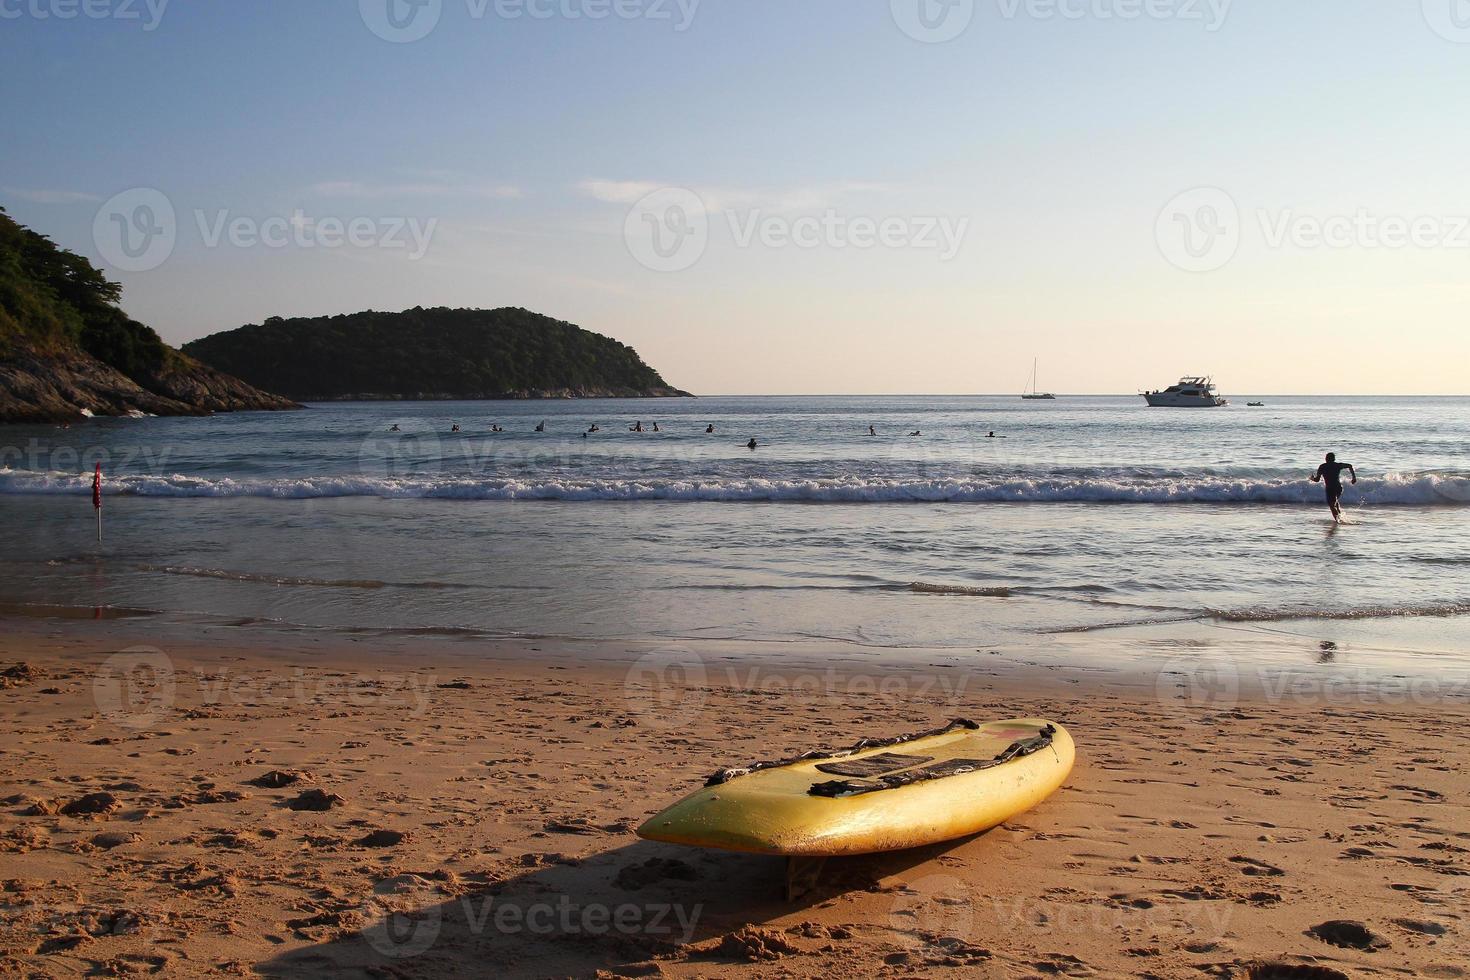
(1256, 869)
(1291, 971)
(1422, 927)
(1347, 934)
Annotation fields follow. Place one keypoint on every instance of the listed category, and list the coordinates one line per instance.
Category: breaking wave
(1400, 490)
(1265, 614)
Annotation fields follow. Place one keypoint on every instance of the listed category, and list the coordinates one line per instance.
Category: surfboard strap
(725, 775)
(835, 788)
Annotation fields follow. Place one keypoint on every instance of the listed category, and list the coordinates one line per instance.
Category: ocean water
(1082, 516)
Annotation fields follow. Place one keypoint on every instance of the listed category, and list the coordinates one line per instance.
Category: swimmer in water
(751, 444)
(454, 428)
(541, 427)
(872, 431)
(710, 429)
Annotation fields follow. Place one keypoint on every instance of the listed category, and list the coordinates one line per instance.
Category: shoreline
(1205, 827)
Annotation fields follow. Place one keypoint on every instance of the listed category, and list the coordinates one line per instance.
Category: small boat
(1031, 394)
(1190, 392)
(1255, 404)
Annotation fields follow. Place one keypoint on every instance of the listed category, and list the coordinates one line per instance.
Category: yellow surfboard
(877, 796)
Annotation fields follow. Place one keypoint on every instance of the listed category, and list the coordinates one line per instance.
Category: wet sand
(238, 803)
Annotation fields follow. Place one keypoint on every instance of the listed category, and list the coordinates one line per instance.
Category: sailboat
(1031, 393)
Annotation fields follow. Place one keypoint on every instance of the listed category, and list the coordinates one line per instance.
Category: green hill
(431, 353)
(67, 350)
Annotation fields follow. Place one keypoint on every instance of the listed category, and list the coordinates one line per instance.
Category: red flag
(97, 487)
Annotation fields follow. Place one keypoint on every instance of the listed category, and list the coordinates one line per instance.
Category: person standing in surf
(1330, 473)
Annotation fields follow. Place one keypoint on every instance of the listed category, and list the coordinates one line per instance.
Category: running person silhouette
(1330, 473)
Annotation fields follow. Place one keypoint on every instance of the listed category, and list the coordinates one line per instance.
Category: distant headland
(67, 351)
(426, 354)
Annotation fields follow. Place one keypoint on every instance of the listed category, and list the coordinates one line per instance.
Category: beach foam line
(1262, 614)
(1449, 607)
(1399, 490)
(265, 579)
(990, 591)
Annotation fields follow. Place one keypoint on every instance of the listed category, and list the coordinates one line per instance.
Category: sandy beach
(291, 806)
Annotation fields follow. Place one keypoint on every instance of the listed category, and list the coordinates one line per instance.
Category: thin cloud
(365, 189)
(618, 191)
(52, 197)
(723, 198)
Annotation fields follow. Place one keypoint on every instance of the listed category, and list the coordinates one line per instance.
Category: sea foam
(1401, 490)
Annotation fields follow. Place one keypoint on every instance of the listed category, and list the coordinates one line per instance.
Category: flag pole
(97, 498)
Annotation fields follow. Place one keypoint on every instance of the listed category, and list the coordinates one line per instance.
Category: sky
(783, 196)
